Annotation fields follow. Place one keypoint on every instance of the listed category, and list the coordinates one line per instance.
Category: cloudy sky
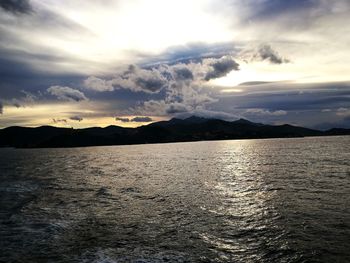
(78, 63)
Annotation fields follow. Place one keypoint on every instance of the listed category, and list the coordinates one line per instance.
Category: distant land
(175, 130)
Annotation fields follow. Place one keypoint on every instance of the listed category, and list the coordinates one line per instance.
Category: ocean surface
(275, 200)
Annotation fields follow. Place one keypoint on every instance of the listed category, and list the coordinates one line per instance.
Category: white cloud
(265, 112)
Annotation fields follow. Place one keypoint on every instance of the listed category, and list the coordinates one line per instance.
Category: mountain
(175, 130)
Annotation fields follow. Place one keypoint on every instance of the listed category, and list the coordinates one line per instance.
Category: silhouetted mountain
(175, 130)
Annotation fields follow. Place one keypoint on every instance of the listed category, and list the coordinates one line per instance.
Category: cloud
(209, 114)
(154, 107)
(177, 107)
(265, 52)
(16, 6)
(1, 108)
(122, 119)
(265, 112)
(66, 93)
(221, 68)
(266, 9)
(59, 120)
(141, 119)
(185, 89)
(153, 79)
(28, 99)
(183, 73)
(135, 119)
(137, 79)
(134, 78)
(191, 52)
(98, 84)
(76, 118)
(343, 112)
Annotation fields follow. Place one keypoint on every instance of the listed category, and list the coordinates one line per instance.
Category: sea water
(274, 200)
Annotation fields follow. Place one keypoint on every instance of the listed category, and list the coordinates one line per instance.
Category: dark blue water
(279, 200)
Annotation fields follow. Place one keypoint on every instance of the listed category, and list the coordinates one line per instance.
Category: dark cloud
(150, 84)
(299, 104)
(122, 119)
(1, 108)
(262, 53)
(135, 119)
(265, 52)
(141, 119)
(183, 74)
(26, 100)
(264, 10)
(288, 101)
(221, 68)
(18, 75)
(66, 93)
(16, 6)
(76, 118)
(59, 120)
(16, 103)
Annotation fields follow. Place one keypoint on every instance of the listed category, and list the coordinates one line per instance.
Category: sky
(78, 63)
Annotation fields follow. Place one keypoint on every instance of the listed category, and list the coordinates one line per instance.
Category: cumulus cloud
(134, 78)
(155, 78)
(67, 93)
(98, 84)
(76, 118)
(16, 6)
(138, 79)
(183, 86)
(221, 68)
(185, 89)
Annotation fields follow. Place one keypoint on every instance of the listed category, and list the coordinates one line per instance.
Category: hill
(174, 130)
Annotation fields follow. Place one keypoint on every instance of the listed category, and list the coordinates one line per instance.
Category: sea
(271, 200)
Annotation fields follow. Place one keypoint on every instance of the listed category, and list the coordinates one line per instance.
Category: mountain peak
(242, 121)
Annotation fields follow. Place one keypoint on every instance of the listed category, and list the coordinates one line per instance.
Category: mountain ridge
(174, 130)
